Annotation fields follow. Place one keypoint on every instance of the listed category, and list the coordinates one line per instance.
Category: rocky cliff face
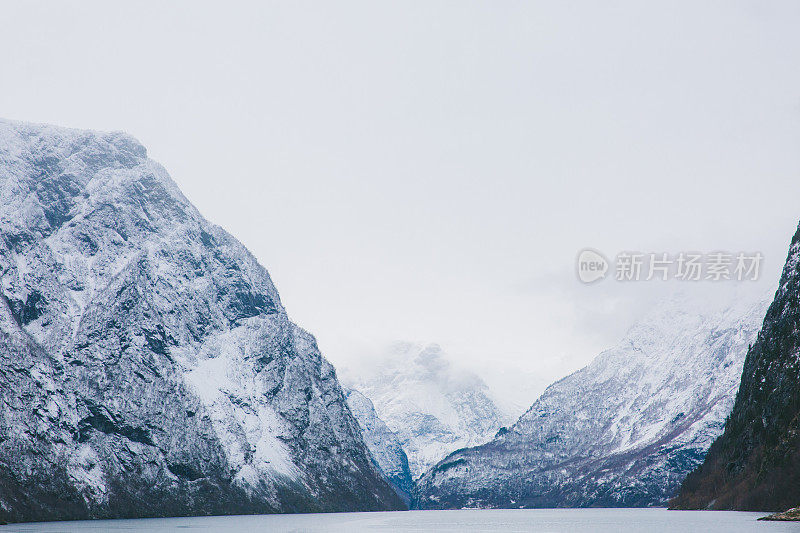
(432, 406)
(755, 464)
(623, 431)
(149, 367)
(383, 444)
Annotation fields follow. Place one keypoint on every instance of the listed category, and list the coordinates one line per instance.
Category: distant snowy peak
(432, 405)
(625, 429)
(683, 356)
(382, 443)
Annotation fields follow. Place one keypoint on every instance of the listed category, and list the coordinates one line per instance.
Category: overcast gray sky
(427, 171)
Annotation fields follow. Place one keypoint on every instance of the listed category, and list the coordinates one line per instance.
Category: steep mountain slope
(755, 464)
(432, 406)
(383, 443)
(624, 430)
(149, 367)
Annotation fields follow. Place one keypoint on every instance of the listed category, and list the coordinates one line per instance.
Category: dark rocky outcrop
(755, 463)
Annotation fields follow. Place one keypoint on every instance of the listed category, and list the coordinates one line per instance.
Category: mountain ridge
(155, 370)
(601, 436)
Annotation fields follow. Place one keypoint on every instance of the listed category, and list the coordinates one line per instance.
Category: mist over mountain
(431, 404)
(623, 431)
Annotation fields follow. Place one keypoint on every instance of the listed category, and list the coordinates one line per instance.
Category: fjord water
(536, 520)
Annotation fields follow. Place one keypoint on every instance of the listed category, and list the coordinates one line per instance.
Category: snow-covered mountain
(383, 443)
(433, 406)
(623, 431)
(149, 367)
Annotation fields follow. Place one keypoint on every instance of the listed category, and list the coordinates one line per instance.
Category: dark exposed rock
(792, 515)
(755, 463)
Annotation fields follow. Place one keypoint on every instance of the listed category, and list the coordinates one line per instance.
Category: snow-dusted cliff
(623, 431)
(148, 365)
(432, 406)
(383, 443)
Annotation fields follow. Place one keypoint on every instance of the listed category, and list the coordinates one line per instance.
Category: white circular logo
(592, 265)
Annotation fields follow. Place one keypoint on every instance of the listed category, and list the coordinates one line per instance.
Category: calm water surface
(540, 520)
